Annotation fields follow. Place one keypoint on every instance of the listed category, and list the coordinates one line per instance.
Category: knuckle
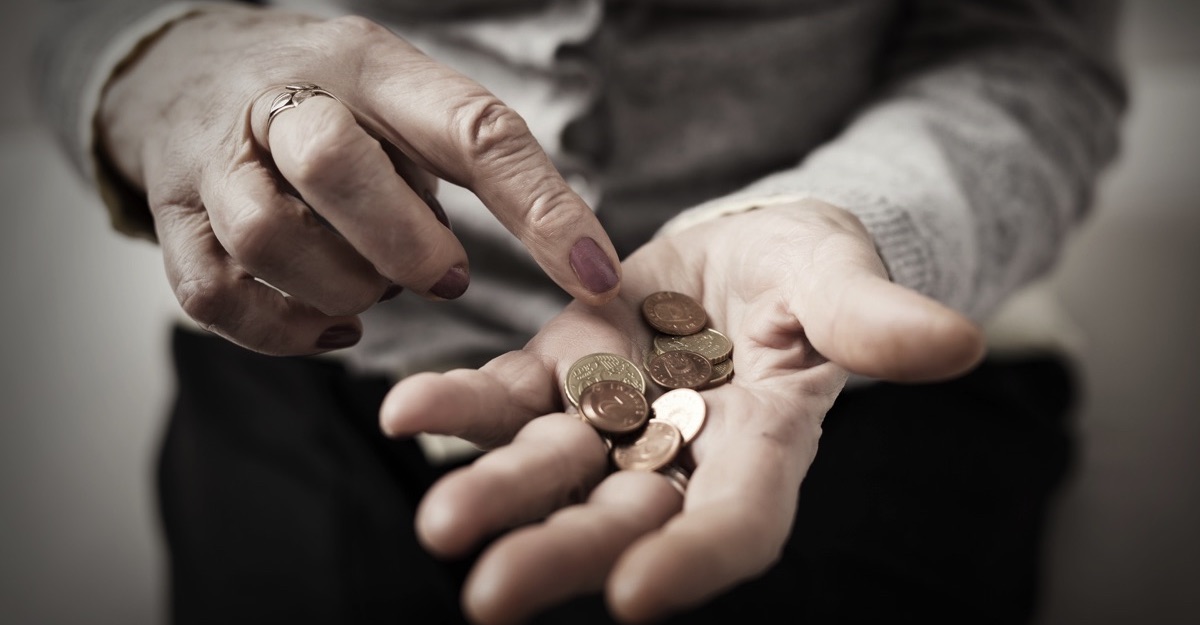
(248, 235)
(331, 144)
(357, 27)
(551, 209)
(205, 301)
(493, 131)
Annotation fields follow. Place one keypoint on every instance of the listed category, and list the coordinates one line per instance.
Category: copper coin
(683, 408)
(713, 345)
(680, 369)
(674, 313)
(596, 367)
(654, 449)
(614, 407)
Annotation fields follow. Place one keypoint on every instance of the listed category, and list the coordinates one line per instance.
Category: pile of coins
(610, 390)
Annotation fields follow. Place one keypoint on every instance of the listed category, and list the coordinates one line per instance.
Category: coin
(680, 369)
(674, 313)
(713, 345)
(655, 448)
(596, 367)
(613, 407)
(722, 372)
(684, 408)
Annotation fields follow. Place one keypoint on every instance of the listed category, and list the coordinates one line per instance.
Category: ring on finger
(293, 96)
(677, 477)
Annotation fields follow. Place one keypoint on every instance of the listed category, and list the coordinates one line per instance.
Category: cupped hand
(804, 297)
(332, 203)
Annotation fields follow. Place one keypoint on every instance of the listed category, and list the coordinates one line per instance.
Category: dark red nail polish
(338, 337)
(453, 284)
(592, 266)
(436, 207)
(391, 292)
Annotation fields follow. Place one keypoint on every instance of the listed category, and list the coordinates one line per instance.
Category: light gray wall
(84, 379)
(85, 375)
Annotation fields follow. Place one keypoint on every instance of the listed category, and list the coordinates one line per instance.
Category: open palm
(804, 297)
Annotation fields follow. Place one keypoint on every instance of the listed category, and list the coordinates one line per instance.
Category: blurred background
(86, 380)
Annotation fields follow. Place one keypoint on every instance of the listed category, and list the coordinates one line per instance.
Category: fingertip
(883, 330)
(346, 333)
(930, 341)
(438, 526)
(403, 405)
(452, 284)
(595, 270)
(633, 592)
(961, 344)
(484, 598)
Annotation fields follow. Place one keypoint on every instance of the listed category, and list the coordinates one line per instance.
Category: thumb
(877, 328)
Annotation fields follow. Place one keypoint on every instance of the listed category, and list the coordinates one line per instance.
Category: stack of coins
(610, 390)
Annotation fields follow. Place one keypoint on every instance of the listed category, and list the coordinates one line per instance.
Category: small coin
(655, 448)
(614, 407)
(713, 345)
(674, 313)
(680, 369)
(722, 373)
(596, 367)
(684, 408)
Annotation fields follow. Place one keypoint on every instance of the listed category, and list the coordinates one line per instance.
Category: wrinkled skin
(804, 297)
(329, 203)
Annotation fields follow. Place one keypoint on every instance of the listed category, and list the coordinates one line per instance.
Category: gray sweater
(967, 135)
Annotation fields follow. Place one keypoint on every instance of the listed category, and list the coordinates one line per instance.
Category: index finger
(457, 129)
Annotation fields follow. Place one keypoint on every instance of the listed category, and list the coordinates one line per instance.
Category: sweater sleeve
(981, 151)
(82, 47)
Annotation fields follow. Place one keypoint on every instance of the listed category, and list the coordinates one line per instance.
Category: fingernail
(338, 337)
(592, 266)
(453, 284)
(391, 292)
(436, 207)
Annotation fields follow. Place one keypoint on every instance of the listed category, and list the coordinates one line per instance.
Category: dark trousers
(282, 502)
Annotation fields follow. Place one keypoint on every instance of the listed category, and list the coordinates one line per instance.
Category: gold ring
(293, 96)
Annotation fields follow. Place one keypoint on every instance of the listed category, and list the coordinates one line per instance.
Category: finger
(739, 509)
(553, 461)
(275, 237)
(457, 129)
(348, 178)
(880, 329)
(222, 298)
(485, 406)
(571, 554)
(853, 315)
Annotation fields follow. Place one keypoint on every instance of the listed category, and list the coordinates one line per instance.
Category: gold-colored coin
(657, 446)
(680, 369)
(722, 373)
(614, 407)
(597, 367)
(684, 408)
(674, 313)
(713, 345)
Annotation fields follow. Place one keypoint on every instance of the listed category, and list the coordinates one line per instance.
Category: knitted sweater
(967, 136)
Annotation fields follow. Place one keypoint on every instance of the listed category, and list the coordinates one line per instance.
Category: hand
(803, 296)
(233, 201)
